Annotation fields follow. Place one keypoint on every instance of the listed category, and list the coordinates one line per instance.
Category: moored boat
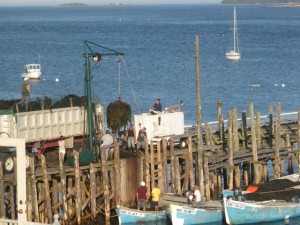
(190, 215)
(248, 212)
(181, 212)
(128, 215)
(32, 71)
(235, 53)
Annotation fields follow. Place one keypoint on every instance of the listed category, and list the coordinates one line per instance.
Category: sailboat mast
(234, 29)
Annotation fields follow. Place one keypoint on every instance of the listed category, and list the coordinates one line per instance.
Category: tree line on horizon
(258, 1)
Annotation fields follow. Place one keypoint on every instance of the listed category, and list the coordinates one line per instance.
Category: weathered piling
(83, 193)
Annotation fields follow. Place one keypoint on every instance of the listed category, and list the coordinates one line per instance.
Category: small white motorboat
(32, 71)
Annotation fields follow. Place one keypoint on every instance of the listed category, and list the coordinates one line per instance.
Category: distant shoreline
(287, 5)
(79, 5)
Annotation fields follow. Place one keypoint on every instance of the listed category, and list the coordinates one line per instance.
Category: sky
(99, 2)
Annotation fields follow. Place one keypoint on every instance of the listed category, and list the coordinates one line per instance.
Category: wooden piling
(165, 164)
(206, 178)
(191, 167)
(271, 126)
(220, 118)
(235, 136)
(277, 142)
(254, 145)
(147, 167)
(230, 151)
(172, 159)
(12, 202)
(48, 211)
(237, 176)
(258, 130)
(63, 190)
(160, 172)
(2, 191)
(33, 190)
(78, 199)
(106, 188)
(93, 190)
(152, 165)
(177, 176)
(244, 129)
(117, 174)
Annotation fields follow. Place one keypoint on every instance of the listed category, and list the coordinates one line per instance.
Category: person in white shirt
(107, 139)
(197, 197)
(61, 148)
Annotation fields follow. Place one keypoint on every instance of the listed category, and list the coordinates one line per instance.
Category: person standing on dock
(107, 139)
(142, 196)
(155, 196)
(61, 148)
(141, 139)
(130, 137)
(25, 93)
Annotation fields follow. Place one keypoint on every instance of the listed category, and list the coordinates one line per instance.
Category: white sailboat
(235, 53)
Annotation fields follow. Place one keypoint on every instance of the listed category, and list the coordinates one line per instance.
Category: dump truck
(41, 129)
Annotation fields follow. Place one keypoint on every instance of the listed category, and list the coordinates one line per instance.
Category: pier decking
(235, 152)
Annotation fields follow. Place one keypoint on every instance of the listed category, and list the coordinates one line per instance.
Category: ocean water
(158, 42)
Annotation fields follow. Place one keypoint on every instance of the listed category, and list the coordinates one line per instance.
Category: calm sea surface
(158, 42)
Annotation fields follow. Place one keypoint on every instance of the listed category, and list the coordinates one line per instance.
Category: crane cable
(130, 85)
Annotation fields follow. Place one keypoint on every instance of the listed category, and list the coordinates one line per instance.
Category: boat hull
(232, 55)
(128, 215)
(32, 75)
(186, 215)
(237, 212)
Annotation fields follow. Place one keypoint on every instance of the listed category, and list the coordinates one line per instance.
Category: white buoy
(276, 85)
(56, 80)
(283, 85)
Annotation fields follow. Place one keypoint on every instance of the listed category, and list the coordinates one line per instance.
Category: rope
(130, 84)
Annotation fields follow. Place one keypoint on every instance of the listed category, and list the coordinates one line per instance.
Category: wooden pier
(236, 152)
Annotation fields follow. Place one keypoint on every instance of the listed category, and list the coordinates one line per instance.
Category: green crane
(85, 157)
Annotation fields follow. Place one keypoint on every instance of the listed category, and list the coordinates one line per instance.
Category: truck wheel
(182, 143)
(9, 164)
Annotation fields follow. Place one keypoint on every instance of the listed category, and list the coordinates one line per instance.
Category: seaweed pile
(279, 189)
(46, 103)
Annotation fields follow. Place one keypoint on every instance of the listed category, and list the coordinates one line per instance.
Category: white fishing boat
(32, 71)
(235, 53)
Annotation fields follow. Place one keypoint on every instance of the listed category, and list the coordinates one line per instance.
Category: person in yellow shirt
(155, 196)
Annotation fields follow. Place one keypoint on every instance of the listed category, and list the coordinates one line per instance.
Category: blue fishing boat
(127, 215)
(248, 212)
(211, 212)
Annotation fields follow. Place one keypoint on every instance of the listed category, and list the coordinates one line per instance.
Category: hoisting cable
(132, 90)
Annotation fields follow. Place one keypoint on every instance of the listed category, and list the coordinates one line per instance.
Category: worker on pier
(141, 139)
(61, 148)
(25, 93)
(155, 196)
(142, 196)
(130, 138)
(107, 139)
(197, 197)
(157, 109)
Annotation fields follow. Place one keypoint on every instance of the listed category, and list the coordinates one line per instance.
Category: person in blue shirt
(157, 109)
(157, 106)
